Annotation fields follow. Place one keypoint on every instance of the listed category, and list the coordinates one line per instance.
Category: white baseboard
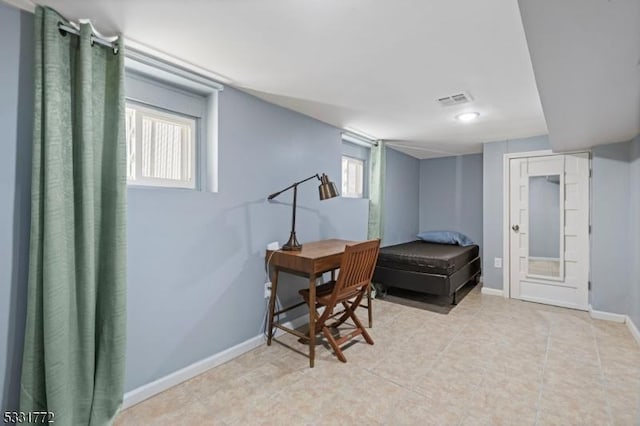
(633, 329)
(491, 291)
(619, 318)
(607, 316)
(149, 390)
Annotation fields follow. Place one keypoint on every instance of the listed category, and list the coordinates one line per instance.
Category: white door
(549, 229)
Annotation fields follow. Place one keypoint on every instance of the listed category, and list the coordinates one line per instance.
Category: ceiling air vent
(457, 99)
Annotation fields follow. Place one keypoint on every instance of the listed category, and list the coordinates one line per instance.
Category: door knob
(515, 228)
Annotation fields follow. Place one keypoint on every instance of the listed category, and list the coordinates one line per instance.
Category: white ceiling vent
(457, 99)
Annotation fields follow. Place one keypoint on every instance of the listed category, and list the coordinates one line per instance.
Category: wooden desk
(312, 261)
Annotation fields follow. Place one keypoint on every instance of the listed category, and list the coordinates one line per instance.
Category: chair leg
(348, 306)
(360, 327)
(369, 308)
(334, 344)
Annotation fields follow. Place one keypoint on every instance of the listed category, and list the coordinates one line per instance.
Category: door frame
(506, 210)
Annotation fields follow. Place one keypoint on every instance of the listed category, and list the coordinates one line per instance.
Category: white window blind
(352, 177)
(161, 148)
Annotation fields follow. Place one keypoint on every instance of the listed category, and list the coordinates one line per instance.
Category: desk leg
(272, 304)
(312, 319)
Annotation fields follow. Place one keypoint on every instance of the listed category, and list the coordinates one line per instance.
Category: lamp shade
(327, 188)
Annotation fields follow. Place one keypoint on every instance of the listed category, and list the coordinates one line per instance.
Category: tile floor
(489, 361)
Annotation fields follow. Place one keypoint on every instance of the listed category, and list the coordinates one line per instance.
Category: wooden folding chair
(353, 283)
(367, 306)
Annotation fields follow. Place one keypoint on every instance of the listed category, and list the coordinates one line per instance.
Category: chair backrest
(356, 269)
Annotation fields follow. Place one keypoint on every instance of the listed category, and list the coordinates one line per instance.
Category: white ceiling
(377, 66)
(374, 66)
(586, 57)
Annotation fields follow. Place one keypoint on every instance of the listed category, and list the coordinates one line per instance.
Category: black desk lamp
(327, 189)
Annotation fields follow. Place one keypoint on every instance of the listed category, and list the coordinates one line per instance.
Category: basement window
(171, 125)
(161, 147)
(352, 177)
(355, 169)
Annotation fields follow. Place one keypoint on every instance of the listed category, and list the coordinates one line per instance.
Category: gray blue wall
(615, 239)
(634, 218)
(610, 236)
(451, 195)
(492, 183)
(544, 218)
(401, 198)
(16, 115)
(196, 267)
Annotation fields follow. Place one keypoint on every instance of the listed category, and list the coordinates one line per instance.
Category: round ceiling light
(467, 116)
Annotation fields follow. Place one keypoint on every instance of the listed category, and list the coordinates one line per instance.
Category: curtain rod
(66, 29)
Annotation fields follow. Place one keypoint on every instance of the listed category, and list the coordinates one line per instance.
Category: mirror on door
(545, 254)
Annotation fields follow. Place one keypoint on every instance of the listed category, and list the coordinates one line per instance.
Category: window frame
(364, 189)
(152, 76)
(194, 124)
(360, 151)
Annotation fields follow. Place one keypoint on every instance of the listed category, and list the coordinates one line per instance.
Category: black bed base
(439, 285)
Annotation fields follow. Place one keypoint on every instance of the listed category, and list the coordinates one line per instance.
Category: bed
(439, 269)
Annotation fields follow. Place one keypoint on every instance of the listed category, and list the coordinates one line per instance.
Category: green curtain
(376, 190)
(73, 363)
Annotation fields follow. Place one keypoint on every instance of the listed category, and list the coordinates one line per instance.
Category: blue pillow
(445, 237)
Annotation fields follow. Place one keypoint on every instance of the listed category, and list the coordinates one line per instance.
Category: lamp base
(292, 244)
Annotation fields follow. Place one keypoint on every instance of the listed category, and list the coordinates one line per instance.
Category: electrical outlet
(267, 289)
(497, 262)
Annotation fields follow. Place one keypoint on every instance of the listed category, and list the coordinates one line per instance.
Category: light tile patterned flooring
(489, 361)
